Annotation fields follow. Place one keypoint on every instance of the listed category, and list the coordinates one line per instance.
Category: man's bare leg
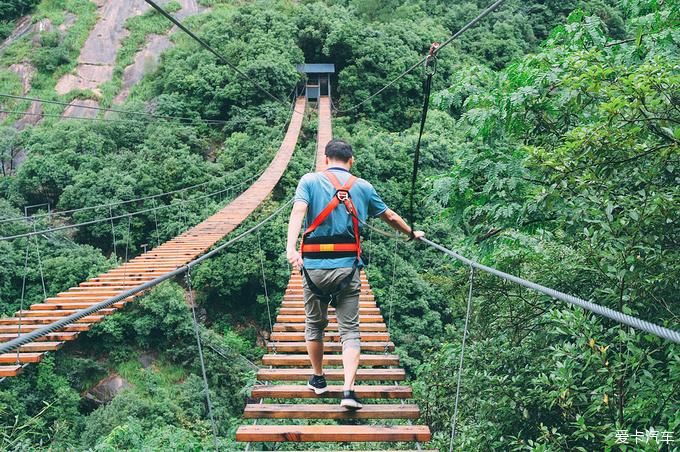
(315, 352)
(351, 349)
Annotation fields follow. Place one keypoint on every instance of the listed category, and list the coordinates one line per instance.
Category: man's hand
(417, 235)
(295, 259)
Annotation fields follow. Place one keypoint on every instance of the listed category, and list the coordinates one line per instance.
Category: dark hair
(339, 150)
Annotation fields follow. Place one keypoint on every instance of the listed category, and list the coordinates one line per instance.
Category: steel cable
(112, 110)
(462, 356)
(117, 217)
(642, 325)
(206, 387)
(455, 36)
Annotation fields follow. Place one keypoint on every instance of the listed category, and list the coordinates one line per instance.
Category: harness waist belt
(329, 247)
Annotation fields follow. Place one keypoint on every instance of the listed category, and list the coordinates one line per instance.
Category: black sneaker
(317, 383)
(350, 401)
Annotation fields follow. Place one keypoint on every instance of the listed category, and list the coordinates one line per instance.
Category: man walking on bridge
(330, 257)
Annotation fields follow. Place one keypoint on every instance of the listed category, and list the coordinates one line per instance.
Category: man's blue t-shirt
(316, 190)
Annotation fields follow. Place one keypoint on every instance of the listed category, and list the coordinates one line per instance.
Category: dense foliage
(551, 152)
(10, 10)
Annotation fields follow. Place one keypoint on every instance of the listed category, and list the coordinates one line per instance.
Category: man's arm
(396, 222)
(294, 225)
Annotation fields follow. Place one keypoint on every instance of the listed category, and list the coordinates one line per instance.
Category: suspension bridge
(150, 266)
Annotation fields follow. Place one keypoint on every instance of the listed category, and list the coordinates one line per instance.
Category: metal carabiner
(343, 195)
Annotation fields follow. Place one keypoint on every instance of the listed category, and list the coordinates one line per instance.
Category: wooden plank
(10, 370)
(334, 433)
(22, 357)
(70, 305)
(330, 347)
(331, 374)
(325, 411)
(299, 297)
(34, 320)
(292, 327)
(62, 313)
(331, 318)
(284, 310)
(281, 359)
(28, 328)
(329, 336)
(58, 336)
(301, 304)
(335, 392)
(43, 346)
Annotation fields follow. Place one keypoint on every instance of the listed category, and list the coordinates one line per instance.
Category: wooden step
(292, 327)
(58, 336)
(297, 279)
(364, 290)
(324, 411)
(23, 329)
(112, 284)
(76, 291)
(116, 279)
(298, 288)
(62, 313)
(71, 305)
(80, 294)
(301, 304)
(42, 346)
(10, 370)
(11, 358)
(33, 320)
(331, 374)
(329, 336)
(301, 311)
(329, 347)
(328, 360)
(335, 392)
(299, 297)
(334, 433)
(331, 318)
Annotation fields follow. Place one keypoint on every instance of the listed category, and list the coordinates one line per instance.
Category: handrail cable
(113, 110)
(82, 118)
(467, 26)
(118, 217)
(9, 346)
(643, 325)
(54, 213)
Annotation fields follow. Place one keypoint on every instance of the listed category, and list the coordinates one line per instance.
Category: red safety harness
(329, 247)
(333, 246)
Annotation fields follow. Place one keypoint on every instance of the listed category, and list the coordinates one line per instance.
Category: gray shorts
(346, 309)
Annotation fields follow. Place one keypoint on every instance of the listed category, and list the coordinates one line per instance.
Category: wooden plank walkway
(146, 267)
(289, 368)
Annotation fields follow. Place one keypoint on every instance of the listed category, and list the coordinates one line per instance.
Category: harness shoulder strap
(334, 202)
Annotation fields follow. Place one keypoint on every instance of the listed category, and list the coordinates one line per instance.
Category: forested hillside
(551, 152)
